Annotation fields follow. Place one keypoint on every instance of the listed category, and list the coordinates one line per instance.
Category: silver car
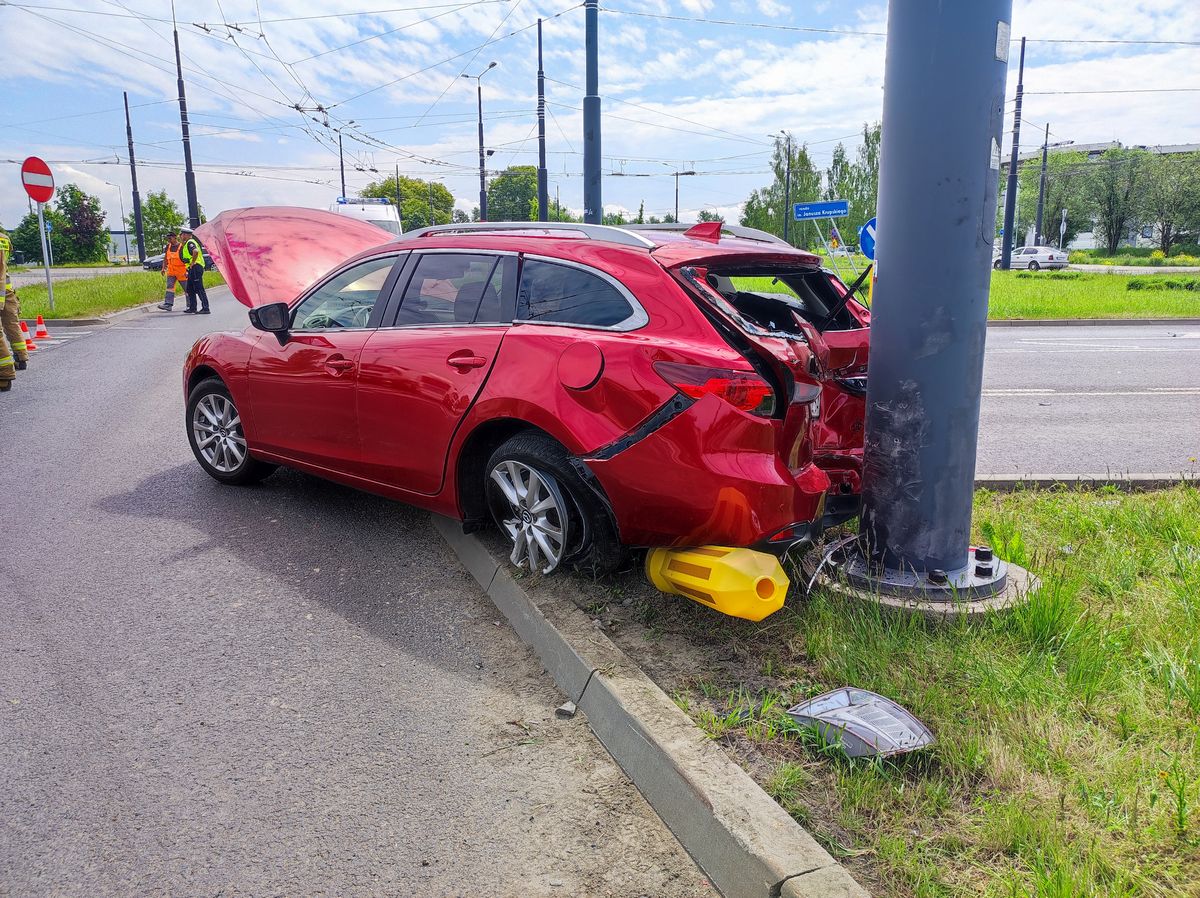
(1035, 258)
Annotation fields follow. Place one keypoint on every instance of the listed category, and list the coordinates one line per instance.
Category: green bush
(1051, 275)
(1185, 249)
(1158, 282)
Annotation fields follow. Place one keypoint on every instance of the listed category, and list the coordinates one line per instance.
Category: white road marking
(1038, 393)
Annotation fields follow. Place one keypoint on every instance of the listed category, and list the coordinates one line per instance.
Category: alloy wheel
(217, 430)
(533, 514)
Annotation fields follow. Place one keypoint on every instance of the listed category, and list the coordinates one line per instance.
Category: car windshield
(390, 226)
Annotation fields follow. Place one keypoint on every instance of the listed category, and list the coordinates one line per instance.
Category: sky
(682, 91)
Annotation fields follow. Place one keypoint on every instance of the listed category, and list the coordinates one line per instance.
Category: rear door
(302, 393)
(419, 374)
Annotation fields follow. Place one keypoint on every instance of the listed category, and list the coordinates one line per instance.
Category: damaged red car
(587, 389)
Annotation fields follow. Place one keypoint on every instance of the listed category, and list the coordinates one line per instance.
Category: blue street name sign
(830, 209)
(866, 240)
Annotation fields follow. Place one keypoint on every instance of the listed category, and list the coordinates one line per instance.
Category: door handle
(464, 359)
(337, 365)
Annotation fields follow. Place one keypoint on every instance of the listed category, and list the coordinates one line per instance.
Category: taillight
(744, 390)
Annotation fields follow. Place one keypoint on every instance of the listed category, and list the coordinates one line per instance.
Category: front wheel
(996, 264)
(547, 512)
(216, 436)
(1033, 265)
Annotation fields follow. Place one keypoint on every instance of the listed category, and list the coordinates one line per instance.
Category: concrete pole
(483, 216)
(939, 173)
(1042, 188)
(189, 175)
(137, 197)
(593, 200)
(399, 200)
(1010, 195)
(342, 164)
(543, 190)
(676, 197)
(787, 192)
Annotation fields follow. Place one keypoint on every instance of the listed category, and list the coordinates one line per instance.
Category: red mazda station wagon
(587, 389)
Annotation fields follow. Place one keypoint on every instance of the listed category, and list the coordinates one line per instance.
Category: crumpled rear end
(712, 475)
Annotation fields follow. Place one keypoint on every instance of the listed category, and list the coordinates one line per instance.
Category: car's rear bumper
(711, 475)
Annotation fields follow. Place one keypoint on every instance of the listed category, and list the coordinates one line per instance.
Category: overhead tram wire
(364, 12)
(850, 32)
(434, 65)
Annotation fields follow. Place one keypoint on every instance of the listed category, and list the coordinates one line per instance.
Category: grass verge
(1067, 760)
(90, 297)
(1072, 294)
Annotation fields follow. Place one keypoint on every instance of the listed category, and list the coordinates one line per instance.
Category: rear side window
(563, 294)
(451, 288)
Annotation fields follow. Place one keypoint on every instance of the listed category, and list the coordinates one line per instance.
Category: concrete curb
(743, 841)
(98, 322)
(1091, 322)
(1133, 483)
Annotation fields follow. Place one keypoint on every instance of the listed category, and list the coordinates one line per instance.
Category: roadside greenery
(1181, 254)
(90, 297)
(77, 230)
(1067, 760)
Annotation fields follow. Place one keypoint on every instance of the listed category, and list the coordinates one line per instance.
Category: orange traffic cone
(29, 344)
(41, 333)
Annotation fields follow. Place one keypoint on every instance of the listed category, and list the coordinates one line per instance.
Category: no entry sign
(38, 180)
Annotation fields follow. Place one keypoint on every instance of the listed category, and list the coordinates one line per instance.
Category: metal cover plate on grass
(863, 723)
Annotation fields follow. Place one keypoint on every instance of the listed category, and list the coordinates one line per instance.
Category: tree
(160, 215)
(765, 207)
(25, 236)
(705, 215)
(856, 182)
(422, 203)
(641, 216)
(1066, 173)
(86, 238)
(512, 195)
(1171, 196)
(1113, 184)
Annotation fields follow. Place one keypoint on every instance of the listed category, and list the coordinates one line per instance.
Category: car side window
(562, 294)
(451, 288)
(345, 300)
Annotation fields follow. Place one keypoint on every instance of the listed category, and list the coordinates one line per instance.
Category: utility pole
(543, 192)
(1010, 196)
(482, 156)
(1042, 187)
(939, 175)
(342, 164)
(593, 200)
(137, 198)
(677, 176)
(399, 200)
(432, 221)
(189, 175)
(787, 184)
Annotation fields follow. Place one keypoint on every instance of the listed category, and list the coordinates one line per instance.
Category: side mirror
(275, 318)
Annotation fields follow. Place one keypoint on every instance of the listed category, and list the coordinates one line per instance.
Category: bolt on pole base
(985, 585)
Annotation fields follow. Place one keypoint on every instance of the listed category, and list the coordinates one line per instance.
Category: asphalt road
(292, 689)
(37, 275)
(1062, 401)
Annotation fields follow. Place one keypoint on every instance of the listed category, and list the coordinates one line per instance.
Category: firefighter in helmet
(14, 356)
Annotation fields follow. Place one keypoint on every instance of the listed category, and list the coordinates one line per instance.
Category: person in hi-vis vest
(193, 258)
(14, 356)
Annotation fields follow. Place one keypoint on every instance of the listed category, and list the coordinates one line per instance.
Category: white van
(379, 212)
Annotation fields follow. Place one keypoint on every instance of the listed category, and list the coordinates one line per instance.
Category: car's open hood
(271, 253)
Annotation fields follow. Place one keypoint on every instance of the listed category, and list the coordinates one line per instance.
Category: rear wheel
(545, 509)
(996, 264)
(216, 436)
(1033, 265)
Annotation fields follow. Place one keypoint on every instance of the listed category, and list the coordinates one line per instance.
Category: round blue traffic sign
(866, 239)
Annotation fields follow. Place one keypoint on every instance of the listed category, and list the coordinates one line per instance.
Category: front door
(419, 376)
(302, 393)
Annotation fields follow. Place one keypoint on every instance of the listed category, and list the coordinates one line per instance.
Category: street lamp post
(124, 227)
(482, 157)
(678, 174)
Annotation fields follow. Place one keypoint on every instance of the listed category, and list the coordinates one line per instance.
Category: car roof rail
(537, 229)
(734, 230)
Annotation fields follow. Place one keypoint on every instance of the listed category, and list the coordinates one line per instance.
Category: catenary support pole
(787, 191)
(399, 200)
(543, 191)
(342, 165)
(137, 197)
(1010, 195)
(939, 174)
(593, 200)
(1040, 239)
(677, 197)
(189, 174)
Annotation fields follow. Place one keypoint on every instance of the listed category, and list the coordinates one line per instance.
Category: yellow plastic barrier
(738, 582)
